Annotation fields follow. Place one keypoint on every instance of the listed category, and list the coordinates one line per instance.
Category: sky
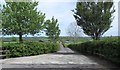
(61, 10)
(119, 19)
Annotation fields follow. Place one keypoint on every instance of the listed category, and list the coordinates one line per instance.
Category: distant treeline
(62, 38)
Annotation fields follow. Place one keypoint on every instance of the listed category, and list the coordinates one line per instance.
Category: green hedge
(29, 48)
(107, 48)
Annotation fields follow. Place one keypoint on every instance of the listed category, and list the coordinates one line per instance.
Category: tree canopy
(0, 19)
(52, 29)
(21, 18)
(94, 18)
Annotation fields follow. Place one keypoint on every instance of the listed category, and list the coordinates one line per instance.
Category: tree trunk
(97, 37)
(20, 38)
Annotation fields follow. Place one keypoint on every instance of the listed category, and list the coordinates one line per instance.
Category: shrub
(108, 48)
(29, 48)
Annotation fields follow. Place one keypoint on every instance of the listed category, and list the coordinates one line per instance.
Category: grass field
(65, 40)
(0, 42)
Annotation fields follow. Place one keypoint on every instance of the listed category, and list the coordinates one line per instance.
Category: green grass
(25, 39)
(10, 42)
(0, 44)
(65, 40)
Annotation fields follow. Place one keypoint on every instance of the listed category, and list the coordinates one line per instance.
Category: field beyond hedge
(29, 48)
(107, 48)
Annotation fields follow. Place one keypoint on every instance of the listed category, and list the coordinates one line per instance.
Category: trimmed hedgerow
(29, 48)
(108, 48)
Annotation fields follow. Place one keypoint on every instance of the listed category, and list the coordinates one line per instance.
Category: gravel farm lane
(64, 59)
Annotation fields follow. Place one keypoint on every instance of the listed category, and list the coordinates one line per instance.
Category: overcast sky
(61, 10)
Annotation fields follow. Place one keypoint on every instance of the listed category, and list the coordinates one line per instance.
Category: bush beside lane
(107, 48)
(29, 48)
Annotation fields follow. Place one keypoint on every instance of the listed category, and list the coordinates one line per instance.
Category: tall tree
(74, 30)
(94, 17)
(0, 22)
(0, 18)
(21, 18)
(52, 29)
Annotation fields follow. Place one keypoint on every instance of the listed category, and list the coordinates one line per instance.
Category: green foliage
(29, 48)
(109, 48)
(52, 29)
(0, 19)
(94, 17)
(21, 18)
(13, 39)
